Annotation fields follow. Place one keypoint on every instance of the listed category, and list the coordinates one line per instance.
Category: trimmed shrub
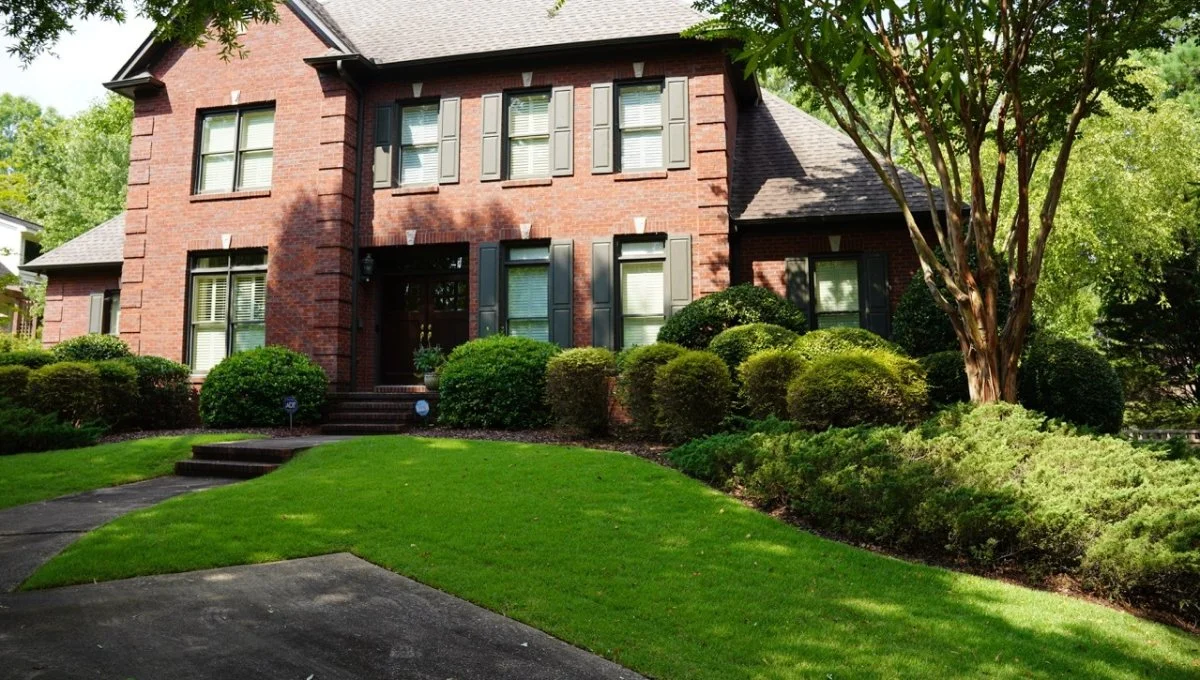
(946, 375)
(695, 326)
(579, 388)
(858, 387)
(635, 386)
(830, 340)
(17, 343)
(919, 326)
(691, 395)
(247, 389)
(1068, 380)
(31, 358)
(166, 399)
(118, 393)
(69, 389)
(23, 430)
(92, 347)
(735, 345)
(765, 377)
(13, 381)
(498, 381)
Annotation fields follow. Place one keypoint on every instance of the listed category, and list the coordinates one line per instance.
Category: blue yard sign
(291, 405)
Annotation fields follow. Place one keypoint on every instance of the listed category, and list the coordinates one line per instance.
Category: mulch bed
(649, 450)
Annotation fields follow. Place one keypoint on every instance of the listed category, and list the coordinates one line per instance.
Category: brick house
(356, 187)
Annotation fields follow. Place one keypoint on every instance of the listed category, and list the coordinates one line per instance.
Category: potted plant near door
(427, 361)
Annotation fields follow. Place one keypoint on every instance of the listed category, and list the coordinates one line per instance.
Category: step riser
(397, 407)
(362, 428)
(360, 417)
(216, 468)
(241, 455)
(381, 396)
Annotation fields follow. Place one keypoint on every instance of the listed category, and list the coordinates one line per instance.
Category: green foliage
(166, 399)
(24, 430)
(498, 381)
(15, 343)
(765, 377)
(13, 381)
(92, 347)
(71, 389)
(832, 340)
(946, 375)
(248, 388)
(119, 396)
(857, 387)
(735, 344)
(30, 358)
(428, 359)
(635, 386)
(692, 395)
(919, 327)
(579, 388)
(1069, 380)
(695, 326)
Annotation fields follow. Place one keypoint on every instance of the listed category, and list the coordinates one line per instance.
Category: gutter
(356, 221)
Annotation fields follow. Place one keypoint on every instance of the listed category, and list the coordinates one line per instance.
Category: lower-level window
(836, 300)
(527, 286)
(112, 312)
(643, 291)
(228, 306)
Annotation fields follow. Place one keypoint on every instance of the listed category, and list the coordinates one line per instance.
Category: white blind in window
(837, 285)
(641, 106)
(258, 129)
(529, 158)
(216, 173)
(641, 149)
(642, 288)
(256, 169)
(641, 330)
(218, 133)
(419, 125)
(249, 336)
(528, 292)
(208, 347)
(419, 165)
(210, 299)
(529, 115)
(249, 297)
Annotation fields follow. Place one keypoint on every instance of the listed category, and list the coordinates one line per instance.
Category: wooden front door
(426, 303)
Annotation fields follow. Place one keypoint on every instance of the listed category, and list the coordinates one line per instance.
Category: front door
(423, 301)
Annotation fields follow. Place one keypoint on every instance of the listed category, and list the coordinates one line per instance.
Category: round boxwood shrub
(735, 344)
(13, 381)
(919, 326)
(92, 347)
(118, 392)
(69, 389)
(635, 387)
(765, 377)
(695, 326)
(498, 381)
(247, 389)
(831, 340)
(579, 388)
(1068, 380)
(858, 387)
(29, 358)
(166, 399)
(946, 375)
(691, 395)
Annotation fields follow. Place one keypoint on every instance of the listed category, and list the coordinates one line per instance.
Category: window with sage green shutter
(419, 144)
(836, 300)
(640, 119)
(528, 135)
(228, 305)
(642, 281)
(236, 150)
(527, 292)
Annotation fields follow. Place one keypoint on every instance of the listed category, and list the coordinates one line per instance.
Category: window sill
(229, 195)
(532, 182)
(415, 190)
(639, 176)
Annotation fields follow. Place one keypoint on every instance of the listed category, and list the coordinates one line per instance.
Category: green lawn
(29, 477)
(633, 561)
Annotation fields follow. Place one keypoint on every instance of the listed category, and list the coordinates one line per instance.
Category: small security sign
(422, 407)
(291, 405)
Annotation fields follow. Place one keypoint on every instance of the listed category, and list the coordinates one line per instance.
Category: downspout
(355, 222)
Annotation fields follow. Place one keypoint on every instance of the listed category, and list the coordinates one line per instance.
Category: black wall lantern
(366, 268)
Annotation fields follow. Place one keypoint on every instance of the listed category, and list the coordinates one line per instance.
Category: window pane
(250, 297)
(208, 346)
(218, 133)
(256, 169)
(528, 292)
(212, 262)
(529, 114)
(419, 125)
(210, 299)
(258, 129)
(640, 330)
(837, 286)
(642, 288)
(249, 336)
(641, 106)
(216, 173)
(250, 259)
(529, 158)
(838, 320)
(521, 253)
(419, 165)
(642, 248)
(641, 149)
(534, 329)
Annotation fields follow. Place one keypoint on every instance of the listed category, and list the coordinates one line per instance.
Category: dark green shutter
(96, 313)
(679, 273)
(796, 269)
(562, 131)
(562, 288)
(602, 294)
(448, 124)
(675, 123)
(385, 126)
(489, 289)
(602, 128)
(491, 116)
(876, 299)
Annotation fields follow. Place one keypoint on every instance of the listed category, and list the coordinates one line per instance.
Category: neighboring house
(385, 173)
(19, 243)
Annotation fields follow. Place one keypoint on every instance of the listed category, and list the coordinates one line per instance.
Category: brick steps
(245, 459)
(363, 428)
(389, 409)
(223, 468)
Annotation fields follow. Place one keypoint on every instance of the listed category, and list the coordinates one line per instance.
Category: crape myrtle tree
(984, 93)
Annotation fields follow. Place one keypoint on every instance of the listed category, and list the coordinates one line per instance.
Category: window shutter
(95, 312)
(675, 122)
(679, 273)
(384, 144)
(562, 288)
(489, 289)
(796, 270)
(562, 131)
(877, 301)
(448, 124)
(602, 128)
(489, 168)
(602, 297)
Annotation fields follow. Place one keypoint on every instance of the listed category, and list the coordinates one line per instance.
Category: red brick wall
(68, 305)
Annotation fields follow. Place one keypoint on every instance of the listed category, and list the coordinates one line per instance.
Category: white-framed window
(236, 150)
(528, 135)
(641, 273)
(527, 291)
(836, 296)
(227, 306)
(640, 122)
(419, 144)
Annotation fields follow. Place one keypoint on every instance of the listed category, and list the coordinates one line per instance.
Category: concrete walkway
(32, 534)
(334, 616)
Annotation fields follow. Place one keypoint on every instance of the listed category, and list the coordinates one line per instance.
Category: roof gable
(102, 245)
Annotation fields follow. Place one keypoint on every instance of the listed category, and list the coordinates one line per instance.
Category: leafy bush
(946, 375)
(695, 326)
(30, 358)
(635, 387)
(1069, 380)
(831, 340)
(17, 343)
(919, 326)
(92, 347)
(858, 387)
(498, 381)
(247, 389)
(70, 389)
(691, 395)
(166, 399)
(578, 388)
(118, 392)
(13, 381)
(735, 344)
(23, 430)
(765, 377)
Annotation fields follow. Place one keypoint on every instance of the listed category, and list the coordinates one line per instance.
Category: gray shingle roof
(101, 245)
(790, 165)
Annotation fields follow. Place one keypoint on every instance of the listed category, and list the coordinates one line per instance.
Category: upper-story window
(236, 150)
(419, 144)
(640, 122)
(528, 135)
